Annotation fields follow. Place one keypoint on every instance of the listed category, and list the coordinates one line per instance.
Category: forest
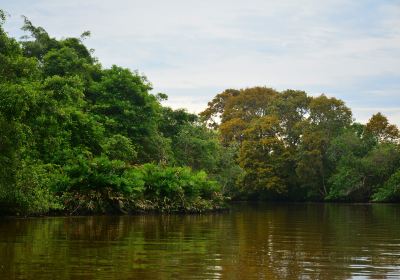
(79, 138)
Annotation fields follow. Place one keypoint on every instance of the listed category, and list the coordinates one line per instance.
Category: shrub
(179, 188)
(390, 191)
(97, 185)
(32, 193)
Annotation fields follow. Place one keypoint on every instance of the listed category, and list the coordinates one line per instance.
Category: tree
(361, 165)
(262, 156)
(306, 127)
(312, 164)
(379, 127)
(74, 136)
(172, 121)
(292, 107)
(236, 108)
(329, 115)
(197, 147)
(121, 101)
(327, 119)
(41, 43)
(213, 113)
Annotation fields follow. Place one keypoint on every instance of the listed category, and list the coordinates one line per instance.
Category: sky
(193, 50)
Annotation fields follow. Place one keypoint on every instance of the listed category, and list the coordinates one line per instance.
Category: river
(252, 241)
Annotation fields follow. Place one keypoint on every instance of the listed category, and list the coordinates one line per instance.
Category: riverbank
(124, 207)
(151, 208)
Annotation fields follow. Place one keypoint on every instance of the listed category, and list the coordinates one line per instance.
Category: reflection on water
(273, 241)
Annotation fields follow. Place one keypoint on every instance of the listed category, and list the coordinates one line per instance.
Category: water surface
(263, 241)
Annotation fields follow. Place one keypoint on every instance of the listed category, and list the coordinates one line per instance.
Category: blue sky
(193, 50)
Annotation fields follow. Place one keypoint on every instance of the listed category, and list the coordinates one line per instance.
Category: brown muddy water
(262, 241)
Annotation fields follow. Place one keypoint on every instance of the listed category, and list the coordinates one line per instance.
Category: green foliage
(32, 192)
(390, 190)
(41, 43)
(382, 161)
(96, 185)
(197, 147)
(228, 172)
(347, 180)
(122, 103)
(78, 138)
(360, 169)
(119, 147)
(100, 185)
(73, 135)
(172, 121)
(179, 189)
(85, 173)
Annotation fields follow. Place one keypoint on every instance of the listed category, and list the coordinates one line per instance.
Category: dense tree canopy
(294, 146)
(77, 137)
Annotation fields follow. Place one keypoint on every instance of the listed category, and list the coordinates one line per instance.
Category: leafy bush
(120, 148)
(344, 182)
(390, 191)
(32, 193)
(180, 187)
(97, 185)
(86, 174)
(100, 185)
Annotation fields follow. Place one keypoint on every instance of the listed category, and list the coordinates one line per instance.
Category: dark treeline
(78, 138)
